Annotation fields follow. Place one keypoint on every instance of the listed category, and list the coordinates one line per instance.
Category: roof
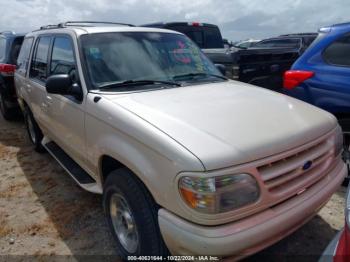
(341, 24)
(92, 27)
(339, 28)
(299, 34)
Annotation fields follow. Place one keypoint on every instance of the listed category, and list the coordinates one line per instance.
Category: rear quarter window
(23, 57)
(338, 53)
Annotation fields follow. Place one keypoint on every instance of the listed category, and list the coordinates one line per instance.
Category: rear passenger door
(65, 113)
(35, 87)
(22, 65)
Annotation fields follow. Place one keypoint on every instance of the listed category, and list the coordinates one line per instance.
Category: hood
(228, 123)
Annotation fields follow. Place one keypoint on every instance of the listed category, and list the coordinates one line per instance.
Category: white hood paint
(229, 123)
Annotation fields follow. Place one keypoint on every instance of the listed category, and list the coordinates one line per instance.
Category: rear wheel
(132, 215)
(34, 133)
(6, 112)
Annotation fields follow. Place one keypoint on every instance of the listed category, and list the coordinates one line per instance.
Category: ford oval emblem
(307, 165)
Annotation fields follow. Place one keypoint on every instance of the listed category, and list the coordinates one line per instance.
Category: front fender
(152, 155)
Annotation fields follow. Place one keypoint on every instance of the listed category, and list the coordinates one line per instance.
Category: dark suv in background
(301, 41)
(10, 45)
(262, 65)
(206, 36)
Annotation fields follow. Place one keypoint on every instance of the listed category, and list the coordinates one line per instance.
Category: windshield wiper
(198, 74)
(136, 83)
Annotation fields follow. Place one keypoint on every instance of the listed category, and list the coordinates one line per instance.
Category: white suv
(187, 161)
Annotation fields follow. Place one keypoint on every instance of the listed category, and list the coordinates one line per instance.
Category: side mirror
(62, 84)
(221, 68)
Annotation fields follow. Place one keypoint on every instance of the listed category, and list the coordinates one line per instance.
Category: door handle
(49, 100)
(29, 88)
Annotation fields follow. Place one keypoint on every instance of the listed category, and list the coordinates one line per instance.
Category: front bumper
(249, 235)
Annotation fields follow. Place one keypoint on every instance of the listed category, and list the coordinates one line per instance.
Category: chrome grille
(288, 172)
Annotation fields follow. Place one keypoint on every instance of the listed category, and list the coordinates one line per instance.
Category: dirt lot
(44, 213)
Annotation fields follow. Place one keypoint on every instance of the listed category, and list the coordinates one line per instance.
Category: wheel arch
(108, 163)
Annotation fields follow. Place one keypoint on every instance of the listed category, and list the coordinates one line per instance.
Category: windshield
(138, 56)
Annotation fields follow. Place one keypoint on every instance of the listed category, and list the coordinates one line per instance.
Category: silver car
(188, 162)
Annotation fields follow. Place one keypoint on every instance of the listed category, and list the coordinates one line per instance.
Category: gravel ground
(45, 216)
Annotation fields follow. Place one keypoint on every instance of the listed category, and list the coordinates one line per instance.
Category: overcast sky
(238, 19)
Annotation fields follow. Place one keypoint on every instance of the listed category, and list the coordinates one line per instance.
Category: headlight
(221, 194)
(338, 141)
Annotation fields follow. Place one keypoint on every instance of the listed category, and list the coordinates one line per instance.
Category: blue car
(321, 76)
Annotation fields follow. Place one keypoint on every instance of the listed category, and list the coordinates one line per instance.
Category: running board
(72, 168)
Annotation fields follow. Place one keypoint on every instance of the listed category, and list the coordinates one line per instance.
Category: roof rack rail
(81, 24)
(48, 27)
(85, 23)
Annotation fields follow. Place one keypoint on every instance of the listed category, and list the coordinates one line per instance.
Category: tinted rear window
(2, 48)
(338, 53)
(203, 36)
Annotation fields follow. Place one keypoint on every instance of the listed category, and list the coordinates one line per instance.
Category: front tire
(132, 215)
(33, 130)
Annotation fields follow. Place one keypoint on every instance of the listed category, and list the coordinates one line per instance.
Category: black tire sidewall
(5, 111)
(144, 211)
(121, 250)
(28, 116)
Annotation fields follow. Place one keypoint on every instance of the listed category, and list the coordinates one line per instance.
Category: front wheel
(132, 215)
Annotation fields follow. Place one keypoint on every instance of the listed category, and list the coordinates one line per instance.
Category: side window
(23, 57)
(293, 43)
(38, 68)
(338, 53)
(62, 58)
